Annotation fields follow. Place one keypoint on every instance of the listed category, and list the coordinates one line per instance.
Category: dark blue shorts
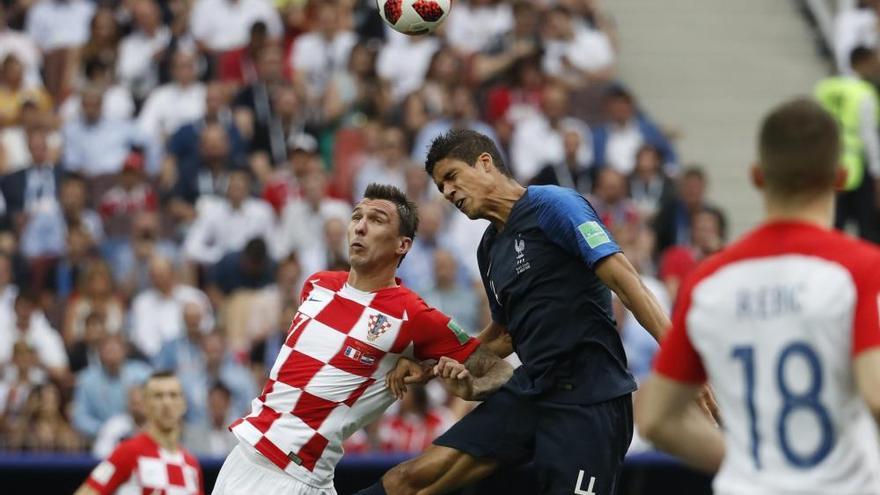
(571, 446)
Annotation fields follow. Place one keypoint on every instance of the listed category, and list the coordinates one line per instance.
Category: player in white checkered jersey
(152, 461)
(329, 378)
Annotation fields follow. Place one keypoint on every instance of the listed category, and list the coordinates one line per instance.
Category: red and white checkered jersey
(328, 380)
(139, 466)
(774, 323)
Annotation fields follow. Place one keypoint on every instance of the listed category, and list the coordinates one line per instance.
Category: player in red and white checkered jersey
(153, 461)
(329, 378)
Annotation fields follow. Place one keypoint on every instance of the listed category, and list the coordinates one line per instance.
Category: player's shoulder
(327, 279)
(550, 195)
(138, 445)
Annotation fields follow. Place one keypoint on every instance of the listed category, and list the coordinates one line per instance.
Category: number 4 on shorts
(578, 487)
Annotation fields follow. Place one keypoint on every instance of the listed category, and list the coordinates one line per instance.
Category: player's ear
(757, 176)
(404, 246)
(840, 177)
(485, 162)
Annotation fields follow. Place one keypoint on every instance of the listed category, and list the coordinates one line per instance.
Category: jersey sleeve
(435, 335)
(114, 471)
(570, 221)
(677, 358)
(866, 323)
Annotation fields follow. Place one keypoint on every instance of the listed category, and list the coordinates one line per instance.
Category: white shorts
(246, 472)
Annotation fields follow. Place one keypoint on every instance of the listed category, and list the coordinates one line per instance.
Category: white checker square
(284, 397)
(333, 384)
(152, 472)
(318, 299)
(289, 433)
(319, 341)
(332, 427)
(283, 354)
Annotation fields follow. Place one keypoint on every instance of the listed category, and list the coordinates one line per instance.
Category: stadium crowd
(171, 172)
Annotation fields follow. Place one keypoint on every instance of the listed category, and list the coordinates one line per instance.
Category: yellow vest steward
(843, 97)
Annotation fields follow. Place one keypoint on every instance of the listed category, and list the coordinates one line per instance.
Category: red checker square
(358, 392)
(264, 420)
(312, 450)
(357, 358)
(313, 410)
(175, 475)
(273, 453)
(298, 369)
(267, 389)
(341, 314)
(297, 326)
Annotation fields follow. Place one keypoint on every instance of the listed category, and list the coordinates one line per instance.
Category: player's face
(374, 235)
(164, 404)
(466, 186)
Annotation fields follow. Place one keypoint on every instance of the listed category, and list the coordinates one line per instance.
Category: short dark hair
(407, 210)
(799, 149)
(465, 145)
(159, 374)
(860, 54)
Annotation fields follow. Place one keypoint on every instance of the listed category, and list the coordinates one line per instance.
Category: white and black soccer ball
(414, 17)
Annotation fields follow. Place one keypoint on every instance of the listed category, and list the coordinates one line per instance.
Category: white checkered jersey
(328, 379)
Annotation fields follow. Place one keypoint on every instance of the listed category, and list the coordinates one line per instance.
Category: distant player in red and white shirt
(152, 461)
(785, 326)
(329, 378)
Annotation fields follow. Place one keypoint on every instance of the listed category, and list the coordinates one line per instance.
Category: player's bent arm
(495, 339)
(867, 374)
(85, 489)
(480, 375)
(620, 276)
(667, 415)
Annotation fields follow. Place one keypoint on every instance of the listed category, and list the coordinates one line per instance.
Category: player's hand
(405, 372)
(456, 377)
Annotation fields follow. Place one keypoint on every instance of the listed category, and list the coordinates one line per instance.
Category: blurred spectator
(611, 201)
(286, 183)
(184, 353)
(708, 236)
(451, 296)
(103, 43)
(131, 260)
(225, 224)
(73, 197)
(417, 270)
(23, 47)
(264, 349)
(8, 288)
(43, 426)
(574, 52)
(268, 147)
(518, 97)
(332, 253)
(474, 24)
(14, 91)
(102, 389)
(54, 25)
(460, 112)
(854, 27)
(404, 60)
(617, 142)
(28, 324)
(570, 172)
(94, 294)
(210, 436)
(206, 174)
(33, 189)
(673, 222)
(355, 90)
(14, 152)
(217, 365)
(64, 271)
(649, 186)
(157, 312)
(322, 51)
(250, 268)
(415, 425)
(509, 51)
(122, 426)
(389, 167)
(17, 379)
(84, 351)
(239, 66)
(171, 105)
(538, 140)
(94, 145)
(253, 104)
(219, 26)
(116, 104)
(130, 195)
(141, 49)
(302, 221)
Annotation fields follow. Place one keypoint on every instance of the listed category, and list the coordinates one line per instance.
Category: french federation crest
(378, 324)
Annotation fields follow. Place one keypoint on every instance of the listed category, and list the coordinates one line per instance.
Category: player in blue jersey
(547, 263)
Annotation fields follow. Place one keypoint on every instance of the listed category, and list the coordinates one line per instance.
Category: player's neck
(168, 440)
(371, 282)
(819, 211)
(499, 205)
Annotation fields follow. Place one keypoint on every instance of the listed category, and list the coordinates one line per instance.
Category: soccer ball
(414, 17)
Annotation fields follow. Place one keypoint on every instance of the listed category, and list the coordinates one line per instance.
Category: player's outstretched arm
(621, 277)
(669, 417)
(867, 375)
(480, 375)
